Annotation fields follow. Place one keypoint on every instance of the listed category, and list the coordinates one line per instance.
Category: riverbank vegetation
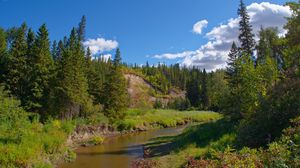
(147, 119)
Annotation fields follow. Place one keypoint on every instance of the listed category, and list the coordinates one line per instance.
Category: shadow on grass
(200, 135)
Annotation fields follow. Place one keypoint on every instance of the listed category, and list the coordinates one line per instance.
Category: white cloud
(174, 56)
(100, 45)
(199, 26)
(213, 54)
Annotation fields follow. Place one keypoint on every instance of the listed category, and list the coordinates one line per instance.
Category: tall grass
(200, 141)
(149, 118)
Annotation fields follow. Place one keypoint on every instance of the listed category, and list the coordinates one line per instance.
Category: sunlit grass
(141, 118)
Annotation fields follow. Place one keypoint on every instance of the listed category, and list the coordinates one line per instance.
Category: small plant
(96, 140)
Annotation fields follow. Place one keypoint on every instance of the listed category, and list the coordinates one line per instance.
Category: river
(119, 151)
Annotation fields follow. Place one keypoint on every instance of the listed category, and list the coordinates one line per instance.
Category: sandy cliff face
(143, 94)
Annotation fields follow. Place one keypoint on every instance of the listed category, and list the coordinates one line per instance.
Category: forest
(49, 88)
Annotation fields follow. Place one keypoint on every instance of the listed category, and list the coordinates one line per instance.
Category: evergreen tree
(246, 36)
(70, 97)
(116, 100)
(81, 29)
(17, 67)
(204, 94)
(59, 51)
(41, 64)
(54, 50)
(117, 60)
(231, 63)
(30, 41)
(3, 55)
(193, 89)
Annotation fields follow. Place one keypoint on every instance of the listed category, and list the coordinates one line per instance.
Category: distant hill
(143, 94)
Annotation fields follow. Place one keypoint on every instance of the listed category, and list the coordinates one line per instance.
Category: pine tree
(204, 94)
(3, 55)
(81, 29)
(193, 90)
(116, 100)
(41, 64)
(30, 41)
(246, 36)
(231, 68)
(17, 67)
(54, 50)
(59, 50)
(117, 60)
(70, 97)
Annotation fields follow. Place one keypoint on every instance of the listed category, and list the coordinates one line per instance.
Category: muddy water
(118, 152)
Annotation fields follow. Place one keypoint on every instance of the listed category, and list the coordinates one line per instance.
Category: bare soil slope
(143, 94)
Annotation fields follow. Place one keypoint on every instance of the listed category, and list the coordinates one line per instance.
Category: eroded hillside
(143, 94)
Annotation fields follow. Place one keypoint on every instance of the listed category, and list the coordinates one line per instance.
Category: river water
(118, 152)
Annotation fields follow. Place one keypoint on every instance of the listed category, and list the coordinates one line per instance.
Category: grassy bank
(147, 119)
(196, 141)
(36, 144)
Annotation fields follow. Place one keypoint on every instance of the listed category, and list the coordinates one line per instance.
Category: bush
(157, 104)
(96, 140)
(274, 115)
(25, 142)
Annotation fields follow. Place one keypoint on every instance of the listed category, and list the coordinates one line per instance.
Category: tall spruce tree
(17, 67)
(116, 100)
(3, 55)
(41, 64)
(81, 29)
(204, 94)
(70, 97)
(231, 69)
(54, 50)
(193, 89)
(246, 36)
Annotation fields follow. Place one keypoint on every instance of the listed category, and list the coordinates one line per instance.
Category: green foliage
(218, 90)
(115, 86)
(96, 140)
(157, 104)
(145, 119)
(3, 54)
(25, 143)
(70, 96)
(246, 37)
(180, 104)
(274, 116)
(40, 73)
(268, 46)
(17, 64)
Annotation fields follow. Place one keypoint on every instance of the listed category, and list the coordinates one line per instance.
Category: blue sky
(142, 28)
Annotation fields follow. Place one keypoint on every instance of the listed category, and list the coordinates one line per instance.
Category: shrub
(96, 140)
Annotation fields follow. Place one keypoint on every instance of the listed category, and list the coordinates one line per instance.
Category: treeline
(61, 81)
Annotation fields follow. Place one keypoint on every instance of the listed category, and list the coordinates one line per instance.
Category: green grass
(199, 141)
(38, 145)
(150, 118)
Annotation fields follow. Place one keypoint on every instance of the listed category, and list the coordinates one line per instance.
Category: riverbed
(119, 151)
